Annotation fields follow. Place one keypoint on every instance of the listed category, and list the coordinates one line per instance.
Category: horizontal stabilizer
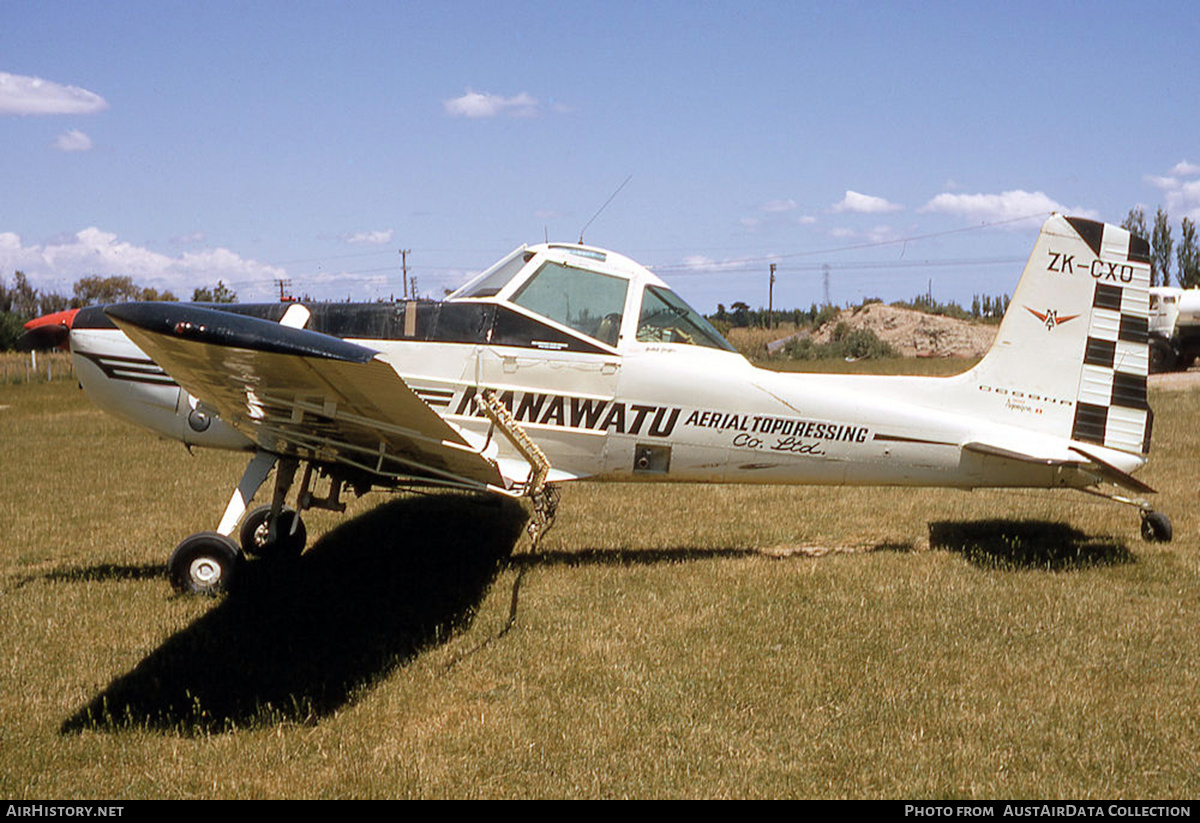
(1070, 458)
(1009, 454)
(1114, 475)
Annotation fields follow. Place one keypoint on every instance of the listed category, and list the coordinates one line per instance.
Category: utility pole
(404, 253)
(771, 300)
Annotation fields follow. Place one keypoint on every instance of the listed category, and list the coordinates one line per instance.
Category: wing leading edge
(305, 394)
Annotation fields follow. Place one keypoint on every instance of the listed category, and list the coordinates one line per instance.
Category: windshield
(665, 318)
(495, 278)
(586, 301)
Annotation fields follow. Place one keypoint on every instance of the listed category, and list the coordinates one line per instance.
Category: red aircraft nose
(49, 331)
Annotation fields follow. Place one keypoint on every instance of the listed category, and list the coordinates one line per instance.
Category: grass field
(672, 641)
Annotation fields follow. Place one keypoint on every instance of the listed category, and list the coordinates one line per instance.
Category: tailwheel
(288, 539)
(1156, 527)
(203, 563)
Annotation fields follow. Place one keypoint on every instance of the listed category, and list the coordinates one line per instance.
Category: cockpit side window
(589, 302)
(665, 318)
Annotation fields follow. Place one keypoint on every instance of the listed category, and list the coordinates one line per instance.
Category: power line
(858, 246)
(739, 268)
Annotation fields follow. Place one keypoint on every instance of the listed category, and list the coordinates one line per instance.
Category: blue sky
(182, 143)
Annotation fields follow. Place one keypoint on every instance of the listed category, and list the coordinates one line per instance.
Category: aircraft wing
(303, 393)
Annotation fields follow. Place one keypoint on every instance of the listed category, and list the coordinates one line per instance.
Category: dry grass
(39, 367)
(752, 341)
(672, 641)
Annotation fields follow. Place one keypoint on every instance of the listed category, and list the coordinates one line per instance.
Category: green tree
(1160, 250)
(219, 293)
(1188, 256)
(95, 290)
(22, 299)
(99, 291)
(11, 327)
(17, 304)
(1135, 223)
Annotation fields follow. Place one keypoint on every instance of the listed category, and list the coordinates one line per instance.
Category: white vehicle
(1174, 328)
(565, 362)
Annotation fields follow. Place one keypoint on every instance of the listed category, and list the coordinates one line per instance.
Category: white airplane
(566, 362)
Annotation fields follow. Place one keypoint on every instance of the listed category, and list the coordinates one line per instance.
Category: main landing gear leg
(1156, 526)
(276, 531)
(205, 562)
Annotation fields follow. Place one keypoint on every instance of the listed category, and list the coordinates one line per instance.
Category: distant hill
(911, 333)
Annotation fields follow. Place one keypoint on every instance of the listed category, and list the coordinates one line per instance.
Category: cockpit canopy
(591, 292)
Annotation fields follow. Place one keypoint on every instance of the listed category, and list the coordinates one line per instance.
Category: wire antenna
(602, 208)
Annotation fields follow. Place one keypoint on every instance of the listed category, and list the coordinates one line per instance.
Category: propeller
(50, 331)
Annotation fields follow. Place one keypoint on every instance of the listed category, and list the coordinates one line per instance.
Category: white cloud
(33, 95)
(73, 141)
(700, 262)
(92, 251)
(1009, 205)
(369, 238)
(864, 204)
(477, 105)
(1182, 197)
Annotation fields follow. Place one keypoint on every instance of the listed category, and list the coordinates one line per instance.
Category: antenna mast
(602, 208)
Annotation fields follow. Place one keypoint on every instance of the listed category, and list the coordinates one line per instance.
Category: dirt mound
(914, 333)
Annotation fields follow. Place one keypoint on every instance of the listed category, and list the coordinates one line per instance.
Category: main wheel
(256, 534)
(203, 563)
(1156, 527)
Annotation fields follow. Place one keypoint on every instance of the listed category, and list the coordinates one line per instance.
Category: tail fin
(1072, 353)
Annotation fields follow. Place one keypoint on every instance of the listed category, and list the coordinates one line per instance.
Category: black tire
(1156, 528)
(203, 563)
(256, 530)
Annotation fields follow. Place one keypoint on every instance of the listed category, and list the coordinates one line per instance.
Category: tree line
(739, 315)
(1186, 255)
(20, 302)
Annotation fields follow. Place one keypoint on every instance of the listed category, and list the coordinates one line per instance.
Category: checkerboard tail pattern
(1112, 409)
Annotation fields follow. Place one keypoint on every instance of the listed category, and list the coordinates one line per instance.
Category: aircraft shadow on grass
(296, 641)
(1027, 544)
(97, 572)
